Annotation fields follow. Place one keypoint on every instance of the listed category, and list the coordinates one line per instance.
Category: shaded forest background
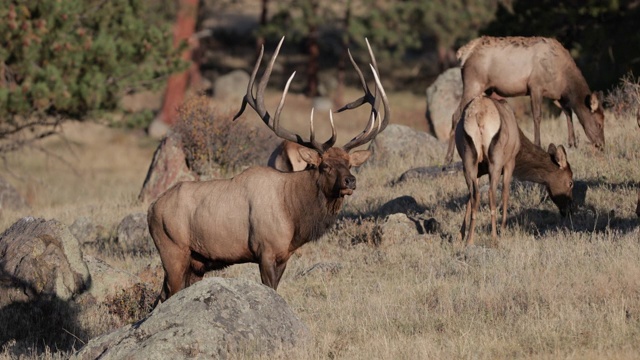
(76, 59)
(421, 37)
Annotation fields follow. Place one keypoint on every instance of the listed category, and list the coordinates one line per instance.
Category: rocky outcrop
(133, 234)
(168, 167)
(212, 319)
(443, 97)
(400, 143)
(41, 258)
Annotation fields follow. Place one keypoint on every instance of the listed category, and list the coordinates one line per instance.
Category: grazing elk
(489, 141)
(286, 157)
(534, 66)
(261, 215)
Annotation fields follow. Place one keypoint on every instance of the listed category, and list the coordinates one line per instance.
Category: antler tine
(376, 102)
(368, 134)
(248, 97)
(334, 135)
(312, 137)
(367, 97)
(257, 102)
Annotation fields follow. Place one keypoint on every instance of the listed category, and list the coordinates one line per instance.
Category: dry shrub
(131, 304)
(624, 99)
(352, 232)
(213, 140)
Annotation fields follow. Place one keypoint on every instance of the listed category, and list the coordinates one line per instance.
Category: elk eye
(571, 184)
(325, 168)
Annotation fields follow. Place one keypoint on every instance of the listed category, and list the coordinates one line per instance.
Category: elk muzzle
(348, 185)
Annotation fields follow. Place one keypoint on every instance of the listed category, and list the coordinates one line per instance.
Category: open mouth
(345, 192)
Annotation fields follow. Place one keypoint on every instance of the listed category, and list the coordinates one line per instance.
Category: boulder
(443, 97)
(107, 281)
(133, 234)
(400, 143)
(168, 167)
(41, 258)
(213, 319)
(85, 230)
(231, 87)
(429, 172)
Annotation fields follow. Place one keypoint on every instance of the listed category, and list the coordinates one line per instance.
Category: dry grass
(554, 288)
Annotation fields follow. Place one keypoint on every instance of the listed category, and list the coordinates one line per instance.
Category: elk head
(595, 129)
(332, 164)
(560, 188)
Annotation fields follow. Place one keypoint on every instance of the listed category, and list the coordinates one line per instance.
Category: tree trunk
(312, 69)
(183, 28)
(263, 22)
(342, 61)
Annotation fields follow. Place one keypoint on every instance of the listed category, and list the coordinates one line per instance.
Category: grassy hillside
(554, 288)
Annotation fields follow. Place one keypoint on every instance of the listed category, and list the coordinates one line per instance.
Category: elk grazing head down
(489, 141)
(535, 66)
(261, 215)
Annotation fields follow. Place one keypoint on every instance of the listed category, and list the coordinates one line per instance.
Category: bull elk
(535, 66)
(489, 141)
(261, 215)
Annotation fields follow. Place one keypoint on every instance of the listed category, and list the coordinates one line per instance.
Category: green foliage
(131, 304)
(77, 58)
(213, 141)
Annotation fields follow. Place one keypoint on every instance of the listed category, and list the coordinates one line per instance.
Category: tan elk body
(535, 66)
(262, 215)
(489, 141)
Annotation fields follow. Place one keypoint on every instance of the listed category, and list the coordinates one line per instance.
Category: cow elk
(489, 141)
(535, 66)
(261, 215)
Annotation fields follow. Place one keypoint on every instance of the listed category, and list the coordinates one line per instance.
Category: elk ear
(309, 156)
(592, 102)
(558, 155)
(357, 158)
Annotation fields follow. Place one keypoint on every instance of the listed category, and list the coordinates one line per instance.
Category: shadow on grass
(43, 324)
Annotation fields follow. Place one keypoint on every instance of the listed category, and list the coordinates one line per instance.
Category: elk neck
(313, 213)
(532, 163)
(576, 92)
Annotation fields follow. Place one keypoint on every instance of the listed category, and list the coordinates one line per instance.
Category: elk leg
(271, 271)
(175, 261)
(470, 176)
(507, 174)
(452, 134)
(572, 136)
(536, 103)
(474, 211)
(494, 176)
(465, 221)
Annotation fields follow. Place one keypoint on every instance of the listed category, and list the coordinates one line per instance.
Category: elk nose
(349, 182)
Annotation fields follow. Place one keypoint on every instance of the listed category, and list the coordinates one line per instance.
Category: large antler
(371, 130)
(257, 103)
